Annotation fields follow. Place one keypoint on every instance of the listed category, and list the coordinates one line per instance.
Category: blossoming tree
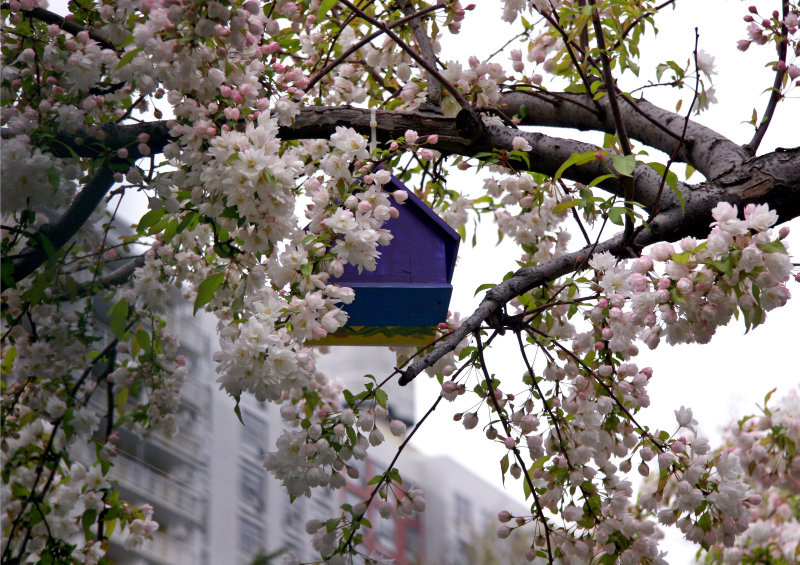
(255, 129)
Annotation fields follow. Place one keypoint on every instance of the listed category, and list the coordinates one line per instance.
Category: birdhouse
(408, 294)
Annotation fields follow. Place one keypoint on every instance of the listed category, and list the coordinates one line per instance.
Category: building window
(252, 487)
(294, 515)
(412, 545)
(254, 431)
(385, 533)
(463, 513)
(251, 537)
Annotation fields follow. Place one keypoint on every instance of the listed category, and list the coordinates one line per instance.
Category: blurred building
(216, 504)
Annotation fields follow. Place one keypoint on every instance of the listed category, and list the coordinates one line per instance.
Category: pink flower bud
(510, 443)
(433, 139)
(449, 386)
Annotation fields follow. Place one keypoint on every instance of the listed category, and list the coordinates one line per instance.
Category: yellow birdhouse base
(379, 335)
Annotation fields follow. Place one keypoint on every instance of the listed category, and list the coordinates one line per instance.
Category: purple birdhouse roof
(423, 249)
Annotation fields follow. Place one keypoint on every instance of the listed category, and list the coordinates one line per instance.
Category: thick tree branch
(773, 179)
(49, 17)
(464, 135)
(706, 150)
(59, 233)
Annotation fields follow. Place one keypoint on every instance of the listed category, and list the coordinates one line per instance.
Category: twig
(357, 519)
(414, 55)
(611, 89)
(673, 156)
(775, 96)
(434, 100)
(359, 44)
(517, 455)
(599, 381)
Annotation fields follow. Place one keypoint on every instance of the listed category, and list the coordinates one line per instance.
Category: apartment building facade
(216, 504)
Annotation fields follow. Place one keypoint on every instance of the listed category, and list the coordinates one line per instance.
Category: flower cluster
(767, 448)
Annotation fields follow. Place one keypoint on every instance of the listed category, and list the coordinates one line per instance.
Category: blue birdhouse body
(408, 293)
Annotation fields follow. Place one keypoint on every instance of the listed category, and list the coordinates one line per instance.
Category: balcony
(161, 550)
(155, 486)
(195, 393)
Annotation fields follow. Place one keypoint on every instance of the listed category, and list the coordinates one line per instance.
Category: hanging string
(373, 124)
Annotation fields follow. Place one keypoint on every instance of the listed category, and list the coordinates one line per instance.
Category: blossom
(602, 261)
(351, 143)
(705, 63)
(520, 144)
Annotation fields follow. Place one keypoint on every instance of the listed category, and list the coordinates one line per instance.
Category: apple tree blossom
(262, 137)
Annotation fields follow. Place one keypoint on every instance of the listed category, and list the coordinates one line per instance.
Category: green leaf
(325, 7)
(577, 159)
(7, 273)
(19, 491)
(598, 180)
(563, 206)
(171, 230)
(119, 316)
(526, 489)
(671, 179)
(206, 290)
(144, 339)
(615, 215)
(87, 520)
(127, 58)
(47, 245)
(8, 360)
(150, 219)
(53, 177)
(381, 397)
(484, 286)
(504, 467)
(238, 411)
(624, 164)
(773, 247)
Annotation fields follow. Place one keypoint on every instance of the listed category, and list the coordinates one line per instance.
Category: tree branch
(775, 95)
(419, 59)
(412, 17)
(49, 17)
(434, 101)
(704, 149)
(59, 233)
(619, 123)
